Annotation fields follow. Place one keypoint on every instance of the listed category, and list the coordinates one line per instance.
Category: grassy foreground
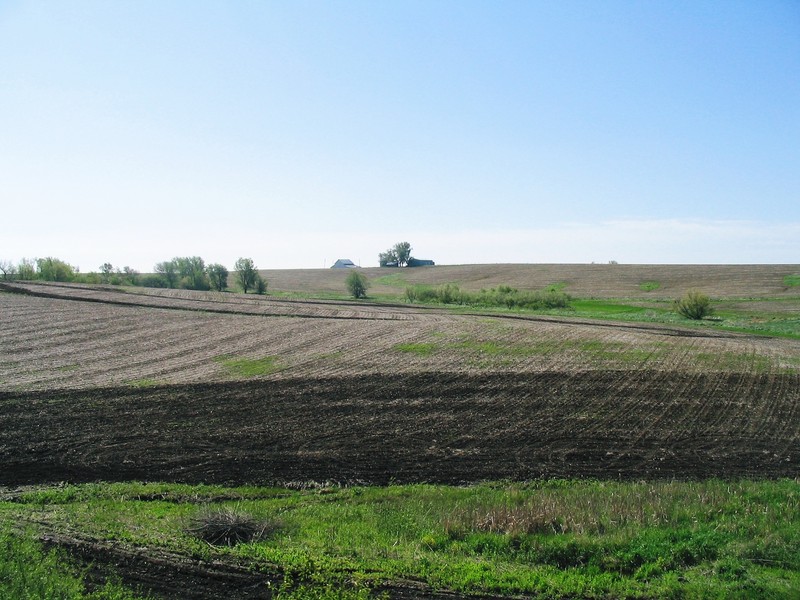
(557, 539)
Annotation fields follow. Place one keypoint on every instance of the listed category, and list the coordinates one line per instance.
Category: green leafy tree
(129, 276)
(152, 281)
(106, 272)
(396, 255)
(54, 269)
(357, 284)
(218, 275)
(192, 272)
(246, 274)
(169, 271)
(694, 305)
(387, 258)
(403, 252)
(26, 269)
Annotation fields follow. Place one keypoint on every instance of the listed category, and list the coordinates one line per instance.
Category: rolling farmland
(491, 396)
(100, 383)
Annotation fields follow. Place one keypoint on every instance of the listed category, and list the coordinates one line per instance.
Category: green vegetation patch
(649, 286)
(420, 348)
(736, 361)
(791, 280)
(141, 383)
(556, 539)
(781, 322)
(27, 570)
(393, 280)
(502, 296)
(249, 367)
(508, 349)
(620, 352)
(595, 350)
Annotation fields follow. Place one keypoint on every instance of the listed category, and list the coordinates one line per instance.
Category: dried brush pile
(229, 526)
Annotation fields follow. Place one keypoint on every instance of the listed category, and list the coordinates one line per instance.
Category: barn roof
(343, 263)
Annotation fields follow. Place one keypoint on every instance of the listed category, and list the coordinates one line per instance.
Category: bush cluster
(357, 284)
(184, 272)
(694, 305)
(503, 296)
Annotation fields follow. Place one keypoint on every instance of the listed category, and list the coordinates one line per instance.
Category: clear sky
(296, 133)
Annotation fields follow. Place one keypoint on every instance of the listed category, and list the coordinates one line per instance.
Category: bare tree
(8, 268)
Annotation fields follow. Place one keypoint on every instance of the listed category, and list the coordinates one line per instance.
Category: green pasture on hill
(554, 539)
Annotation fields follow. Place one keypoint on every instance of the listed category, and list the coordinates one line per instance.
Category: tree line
(181, 272)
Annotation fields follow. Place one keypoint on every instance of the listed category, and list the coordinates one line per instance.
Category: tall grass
(29, 572)
(501, 296)
(558, 539)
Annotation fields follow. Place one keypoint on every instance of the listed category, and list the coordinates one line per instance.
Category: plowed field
(100, 384)
(438, 427)
(601, 281)
(79, 337)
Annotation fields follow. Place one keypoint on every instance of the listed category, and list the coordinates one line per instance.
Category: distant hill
(580, 280)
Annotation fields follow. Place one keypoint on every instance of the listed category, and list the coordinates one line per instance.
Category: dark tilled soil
(446, 428)
(162, 574)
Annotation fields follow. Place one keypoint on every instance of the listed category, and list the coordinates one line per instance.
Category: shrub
(503, 295)
(261, 285)
(694, 305)
(54, 269)
(229, 526)
(357, 284)
(153, 281)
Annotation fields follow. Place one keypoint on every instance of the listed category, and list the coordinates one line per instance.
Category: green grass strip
(250, 367)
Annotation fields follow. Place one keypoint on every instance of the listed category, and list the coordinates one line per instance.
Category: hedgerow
(501, 296)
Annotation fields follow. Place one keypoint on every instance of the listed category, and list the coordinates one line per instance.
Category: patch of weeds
(599, 309)
(249, 367)
(330, 355)
(649, 286)
(68, 368)
(556, 287)
(420, 348)
(619, 351)
(393, 280)
(736, 361)
(504, 350)
(602, 350)
(27, 570)
(792, 362)
(141, 383)
(791, 280)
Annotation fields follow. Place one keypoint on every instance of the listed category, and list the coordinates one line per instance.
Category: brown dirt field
(436, 427)
(582, 280)
(56, 342)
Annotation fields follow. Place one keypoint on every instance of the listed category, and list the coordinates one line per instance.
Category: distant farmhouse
(344, 263)
(419, 262)
(412, 262)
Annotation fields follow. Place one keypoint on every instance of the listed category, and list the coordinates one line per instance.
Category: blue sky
(296, 133)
